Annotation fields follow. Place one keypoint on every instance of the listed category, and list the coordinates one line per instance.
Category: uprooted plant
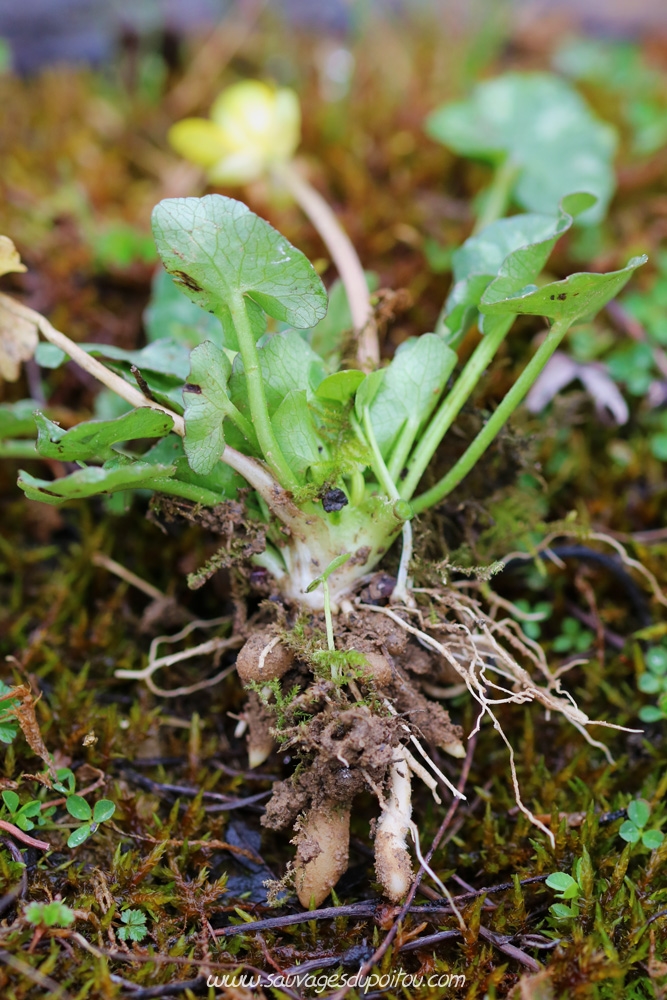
(312, 471)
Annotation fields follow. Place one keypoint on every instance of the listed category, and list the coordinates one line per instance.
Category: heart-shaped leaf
(639, 812)
(509, 254)
(539, 123)
(217, 249)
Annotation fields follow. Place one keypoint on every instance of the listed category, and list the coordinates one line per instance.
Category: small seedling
(568, 888)
(532, 628)
(639, 813)
(77, 807)
(134, 926)
(654, 681)
(25, 816)
(323, 579)
(53, 914)
(574, 638)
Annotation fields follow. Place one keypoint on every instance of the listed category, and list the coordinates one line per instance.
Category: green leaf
(510, 253)
(331, 568)
(650, 713)
(135, 926)
(216, 248)
(656, 660)
(170, 451)
(327, 338)
(93, 439)
(93, 480)
(563, 912)
(206, 405)
(295, 433)
(11, 800)
(53, 914)
(78, 808)
(652, 839)
(561, 881)
(539, 123)
(78, 837)
(287, 363)
(103, 810)
(163, 357)
(581, 295)
(629, 832)
(411, 387)
(17, 420)
(170, 315)
(649, 683)
(8, 732)
(639, 812)
(341, 386)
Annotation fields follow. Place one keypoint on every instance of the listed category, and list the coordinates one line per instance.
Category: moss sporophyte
(330, 461)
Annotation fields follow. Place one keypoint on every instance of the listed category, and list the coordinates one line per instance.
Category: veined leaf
(93, 480)
(287, 362)
(93, 438)
(411, 387)
(216, 248)
(581, 295)
(295, 433)
(341, 386)
(206, 405)
(170, 315)
(540, 123)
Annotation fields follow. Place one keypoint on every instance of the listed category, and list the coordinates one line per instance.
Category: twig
(102, 560)
(24, 837)
(20, 888)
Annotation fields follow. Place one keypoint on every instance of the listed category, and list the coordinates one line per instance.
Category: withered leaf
(10, 259)
(18, 338)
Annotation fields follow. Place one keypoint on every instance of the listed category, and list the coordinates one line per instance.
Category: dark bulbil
(334, 500)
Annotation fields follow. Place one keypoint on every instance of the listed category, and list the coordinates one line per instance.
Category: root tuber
(323, 845)
(263, 658)
(393, 866)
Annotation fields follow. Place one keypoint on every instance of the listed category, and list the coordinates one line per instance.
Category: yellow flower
(251, 127)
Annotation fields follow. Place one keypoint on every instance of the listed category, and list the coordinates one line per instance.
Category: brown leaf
(27, 720)
(18, 338)
(10, 259)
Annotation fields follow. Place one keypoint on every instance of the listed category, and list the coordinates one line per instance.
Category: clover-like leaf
(639, 812)
(11, 800)
(652, 839)
(541, 125)
(656, 660)
(562, 882)
(78, 808)
(103, 810)
(217, 249)
(206, 405)
(650, 713)
(581, 295)
(411, 387)
(629, 832)
(93, 480)
(94, 438)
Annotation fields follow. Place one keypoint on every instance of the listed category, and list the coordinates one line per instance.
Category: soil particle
(263, 658)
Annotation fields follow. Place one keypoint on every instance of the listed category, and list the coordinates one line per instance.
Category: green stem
(496, 422)
(497, 195)
(18, 449)
(243, 424)
(329, 623)
(189, 491)
(379, 467)
(401, 449)
(257, 398)
(452, 404)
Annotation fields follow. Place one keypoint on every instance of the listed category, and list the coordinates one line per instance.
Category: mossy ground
(85, 151)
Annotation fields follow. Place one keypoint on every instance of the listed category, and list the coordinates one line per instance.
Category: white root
(393, 866)
(323, 847)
